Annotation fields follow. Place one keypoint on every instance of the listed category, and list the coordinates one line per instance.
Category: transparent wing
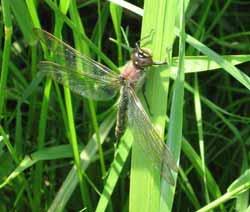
(86, 84)
(82, 74)
(70, 56)
(148, 139)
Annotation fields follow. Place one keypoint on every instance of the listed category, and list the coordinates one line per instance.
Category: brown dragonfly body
(133, 73)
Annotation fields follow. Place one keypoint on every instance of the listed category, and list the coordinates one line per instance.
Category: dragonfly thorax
(140, 59)
(131, 74)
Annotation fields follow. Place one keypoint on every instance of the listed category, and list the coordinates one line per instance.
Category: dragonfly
(96, 81)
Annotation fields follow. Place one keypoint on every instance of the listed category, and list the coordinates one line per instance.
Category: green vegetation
(58, 151)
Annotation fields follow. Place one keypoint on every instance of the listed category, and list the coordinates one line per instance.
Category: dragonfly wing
(148, 139)
(86, 84)
(69, 57)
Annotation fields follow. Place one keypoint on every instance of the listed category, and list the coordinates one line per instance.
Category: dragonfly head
(141, 58)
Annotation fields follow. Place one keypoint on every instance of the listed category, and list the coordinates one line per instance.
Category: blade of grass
(37, 180)
(64, 6)
(129, 6)
(32, 113)
(174, 136)
(22, 16)
(116, 15)
(188, 189)
(6, 53)
(33, 14)
(16, 73)
(70, 183)
(40, 143)
(4, 75)
(218, 16)
(19, 133)
(51, 153)
(199, 124)
(196, 162)
(56, 152)
(22, 179)
(242, 184)
(197, 101)
(33, 100)
(243, 78)
(99, 28)
(101, 24)
(160, 17)
(196, 64)
(9, 146)
(121, 156)
(83, 47)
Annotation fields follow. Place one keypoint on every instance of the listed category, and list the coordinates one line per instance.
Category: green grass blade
(188, 189)
(40, 143)
(199, 123)
(160, 17)
(176, 115)
(128, 6)
(239, 186)
(22, 16)
(22, 179)
(101, 24)
(19, 133)
(52, 153)
(83, 47)
(89, 152)
(55, 152)
(121, 156)
(116, 15)
(196, 162)
(243, 78)
(33, 14)
(6, 54)
(9, 146)
(64, 6)
(196, 64)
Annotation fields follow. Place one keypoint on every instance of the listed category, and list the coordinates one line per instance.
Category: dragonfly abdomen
(122, 113)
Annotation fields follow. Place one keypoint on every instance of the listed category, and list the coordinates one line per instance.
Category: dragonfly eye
(141, 55)
(141, 58)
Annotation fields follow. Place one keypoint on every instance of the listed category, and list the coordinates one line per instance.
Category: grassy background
(45, 130)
